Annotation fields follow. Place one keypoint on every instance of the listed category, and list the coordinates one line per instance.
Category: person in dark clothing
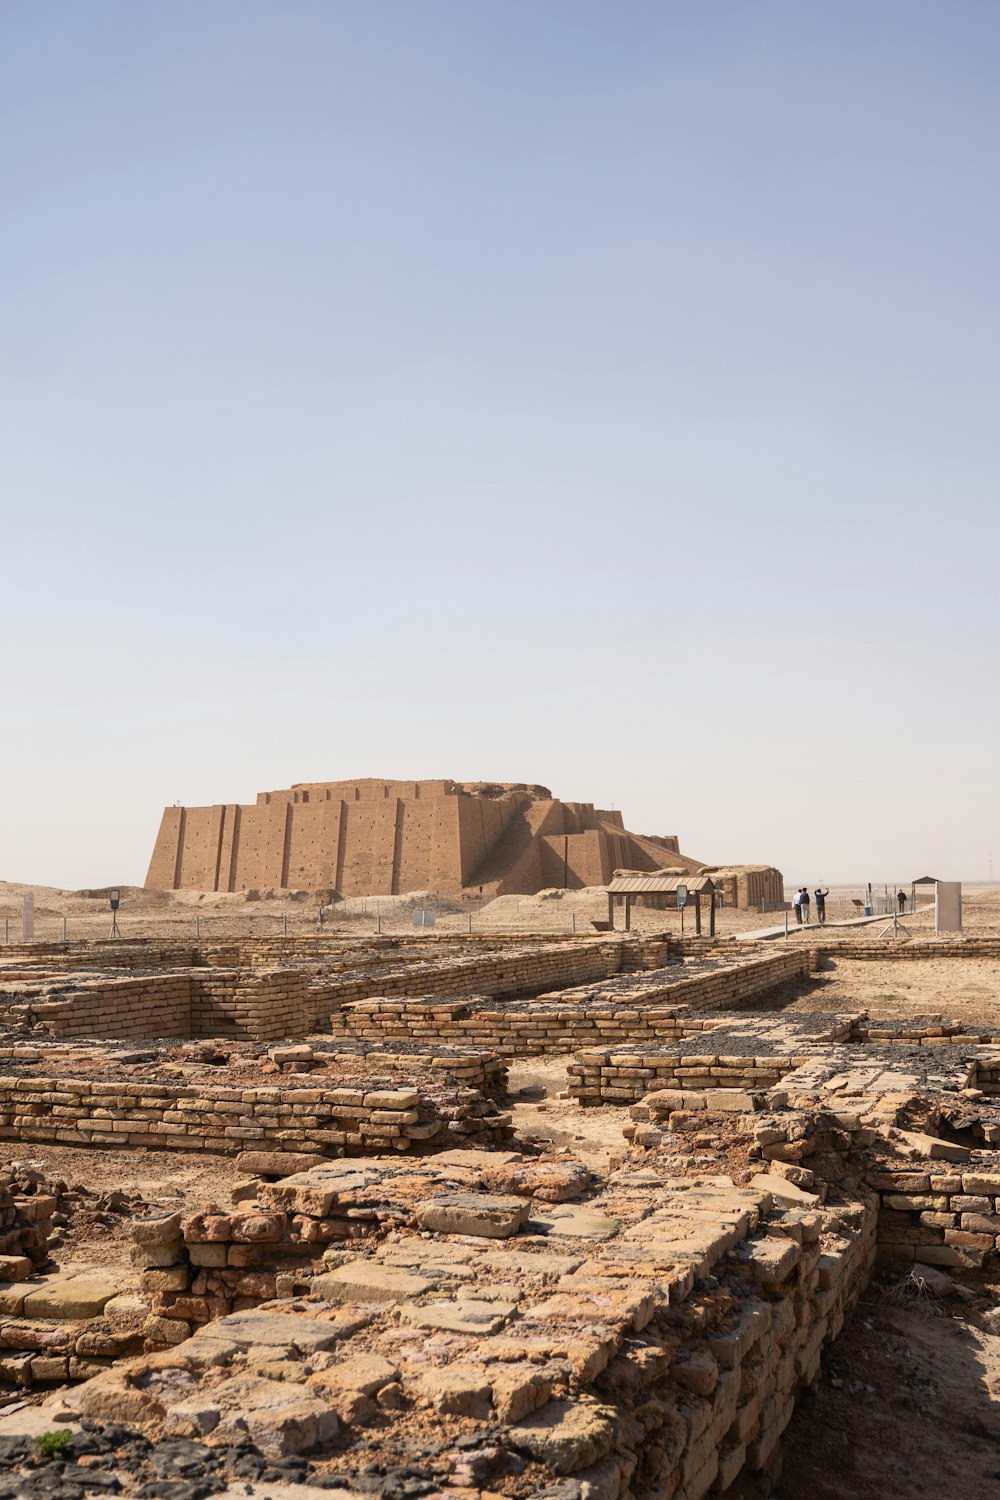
(901, 898)
(805, 905)
(821, 904)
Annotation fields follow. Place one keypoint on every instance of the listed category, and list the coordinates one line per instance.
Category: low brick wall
(939, 1214)
(557, 1023)
(33, 1352)
(521, 971)
(969, 947)
(740, 1061)
(524, 1032)
(344, 952)
(265, 1005)
(349, 1120)
(609, 1077)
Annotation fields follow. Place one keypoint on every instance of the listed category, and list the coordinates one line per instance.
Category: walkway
(761, 933)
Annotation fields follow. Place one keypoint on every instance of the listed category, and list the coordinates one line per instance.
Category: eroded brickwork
(373, 837)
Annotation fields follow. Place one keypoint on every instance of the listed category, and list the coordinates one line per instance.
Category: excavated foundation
(403, 1298)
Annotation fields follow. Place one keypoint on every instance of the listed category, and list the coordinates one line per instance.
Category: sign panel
(682, 896)
(948, 906)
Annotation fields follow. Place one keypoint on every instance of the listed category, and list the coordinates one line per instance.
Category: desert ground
(178, 914)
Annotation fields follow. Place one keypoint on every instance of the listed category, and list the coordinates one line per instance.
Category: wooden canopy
(626, 887)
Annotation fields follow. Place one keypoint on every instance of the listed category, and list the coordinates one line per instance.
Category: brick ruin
(371, 837)
(402, 1295)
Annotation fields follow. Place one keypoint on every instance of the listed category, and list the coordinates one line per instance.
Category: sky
(595, 394)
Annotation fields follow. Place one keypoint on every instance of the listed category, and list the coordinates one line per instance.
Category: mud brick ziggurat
(387, 837)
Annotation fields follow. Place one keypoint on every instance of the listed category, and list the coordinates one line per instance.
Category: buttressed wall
(375, 837)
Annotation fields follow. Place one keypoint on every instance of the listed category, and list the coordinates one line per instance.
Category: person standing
(901, 898)
(805, 905)
(797, 904)
(821, 905)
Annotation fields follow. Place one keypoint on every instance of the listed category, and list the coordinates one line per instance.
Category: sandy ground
(905, 1407)
(183, 914)
(540, 1115)
(111, 1188)
(180, 915)
(959, 989)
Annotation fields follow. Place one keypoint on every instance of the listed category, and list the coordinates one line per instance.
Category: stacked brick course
(558, 1022)
(203, 1117)
(266, 1004)
(937, 1214)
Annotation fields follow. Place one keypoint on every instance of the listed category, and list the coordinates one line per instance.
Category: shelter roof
(636, 884)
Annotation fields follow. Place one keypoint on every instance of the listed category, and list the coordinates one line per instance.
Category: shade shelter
(623, 890)
(922, 880)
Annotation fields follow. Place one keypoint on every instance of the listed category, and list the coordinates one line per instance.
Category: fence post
(786, 924)
(573, 914)
(378, 921)
(284, 925)
(64, 929)
(470, 921)
(6, 930)
(197, 926)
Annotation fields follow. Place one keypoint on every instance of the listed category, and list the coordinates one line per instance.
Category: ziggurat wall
(373, 837)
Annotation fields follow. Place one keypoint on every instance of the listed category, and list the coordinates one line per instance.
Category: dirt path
(595, 1135)
(961, 989)
(904, 1410)
(108, 1189)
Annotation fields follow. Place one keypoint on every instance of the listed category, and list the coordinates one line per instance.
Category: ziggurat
(373, 837)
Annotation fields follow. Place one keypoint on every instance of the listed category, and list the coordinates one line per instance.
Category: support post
(284, 925)
(697, 914)
(197, 926)
(611, 912)
(786, 924)
(64, 929)
(711, 915)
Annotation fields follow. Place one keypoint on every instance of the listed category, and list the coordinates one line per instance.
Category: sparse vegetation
(54, 1444)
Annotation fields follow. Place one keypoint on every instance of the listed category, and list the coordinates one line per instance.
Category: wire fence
(73, 928)
(372, 916)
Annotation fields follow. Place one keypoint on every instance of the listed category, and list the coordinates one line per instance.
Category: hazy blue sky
(596, 394)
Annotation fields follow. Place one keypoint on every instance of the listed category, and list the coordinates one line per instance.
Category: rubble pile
(494, 1331)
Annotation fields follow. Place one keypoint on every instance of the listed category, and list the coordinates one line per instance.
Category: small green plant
(54, 1444)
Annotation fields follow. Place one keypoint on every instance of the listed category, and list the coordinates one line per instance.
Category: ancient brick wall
(971, 947)
(515, 972)
(555, 1023)
(202, 1117)
(386, 837)
(262, 1004)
